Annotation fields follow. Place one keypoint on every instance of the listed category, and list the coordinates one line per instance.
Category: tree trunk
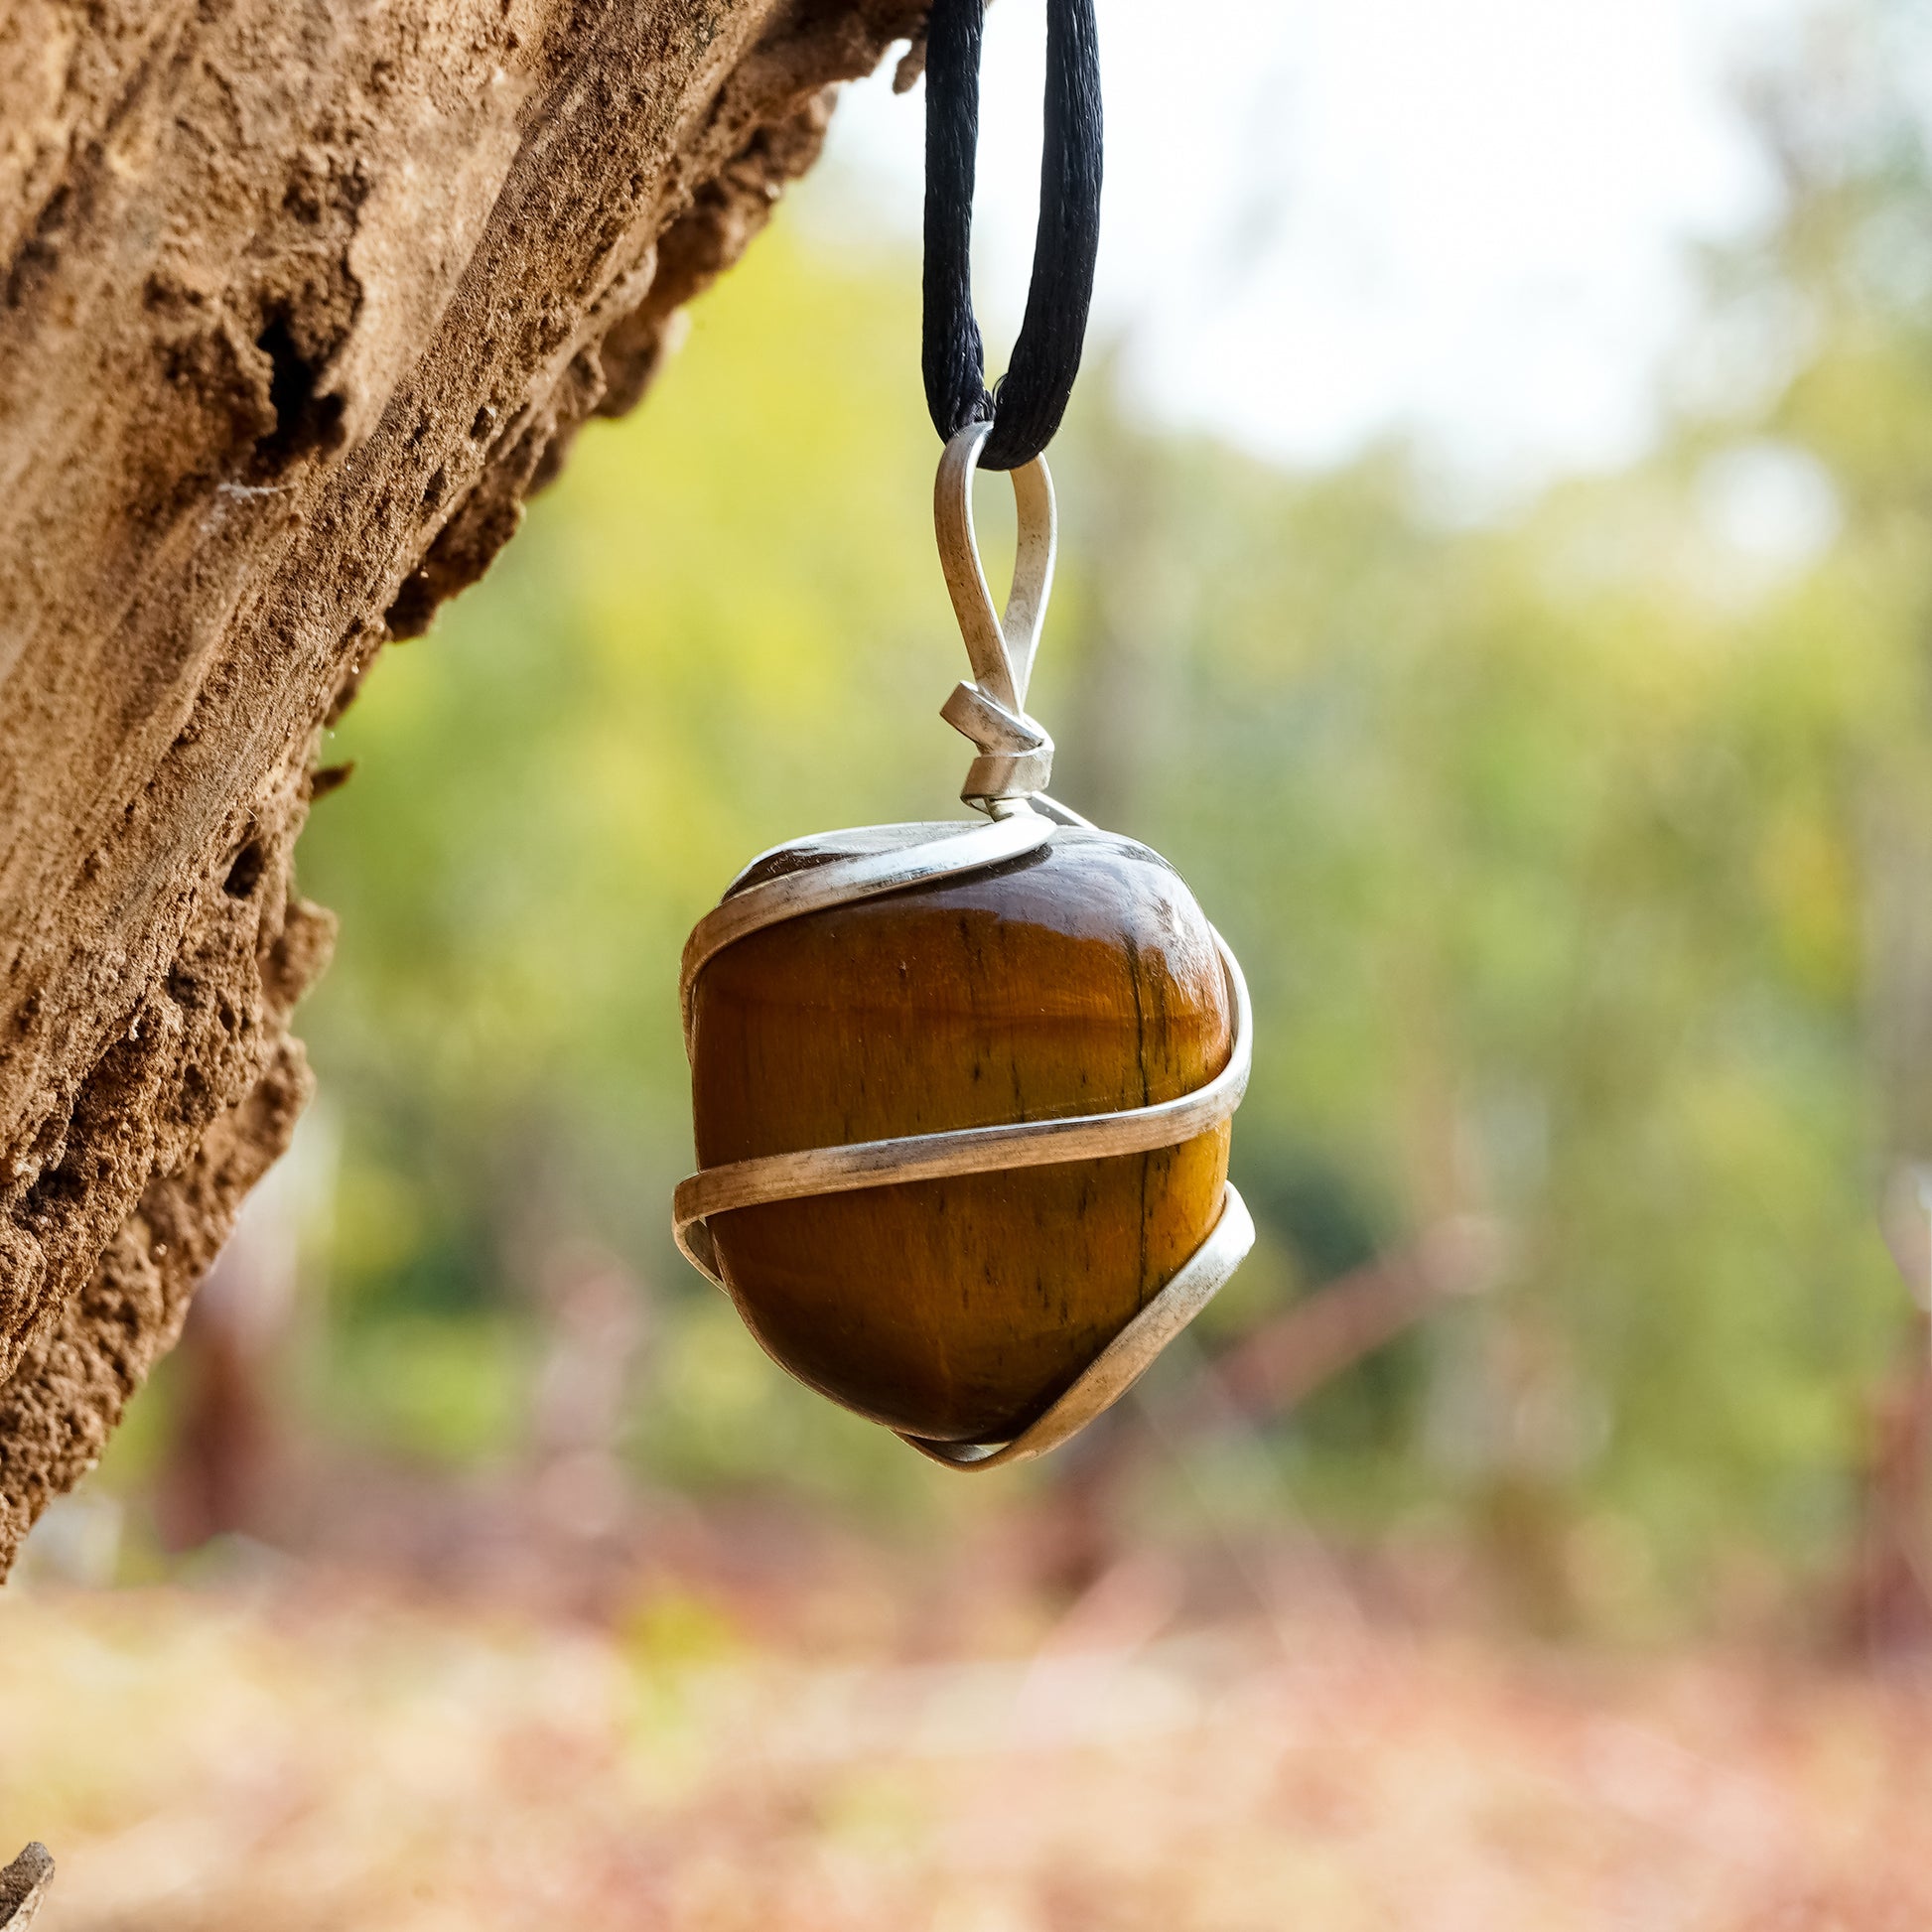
(298, 300)
(22, 1888)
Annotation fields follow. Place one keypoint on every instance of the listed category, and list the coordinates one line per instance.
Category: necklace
(962, 1091)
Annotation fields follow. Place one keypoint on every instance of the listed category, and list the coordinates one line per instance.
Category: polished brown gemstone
(1077, 980)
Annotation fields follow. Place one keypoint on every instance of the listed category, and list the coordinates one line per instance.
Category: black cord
(1033, 396)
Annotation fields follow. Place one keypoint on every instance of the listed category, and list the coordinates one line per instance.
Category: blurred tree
(1569, 858)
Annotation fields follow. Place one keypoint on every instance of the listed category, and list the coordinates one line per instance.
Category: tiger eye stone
(1077, 980)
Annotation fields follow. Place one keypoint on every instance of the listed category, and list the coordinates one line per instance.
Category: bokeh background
(1498, 571)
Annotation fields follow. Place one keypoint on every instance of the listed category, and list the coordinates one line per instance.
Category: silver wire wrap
(1006, 781)
(1015, 757)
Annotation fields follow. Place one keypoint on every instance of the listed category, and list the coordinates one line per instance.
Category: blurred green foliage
(1572, 858)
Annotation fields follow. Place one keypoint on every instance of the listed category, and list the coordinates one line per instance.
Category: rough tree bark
(23, 1889)
(298, 300)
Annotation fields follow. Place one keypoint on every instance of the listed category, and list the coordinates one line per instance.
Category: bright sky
(1327, 218)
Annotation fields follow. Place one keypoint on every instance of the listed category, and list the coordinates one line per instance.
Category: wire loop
(1016, 755)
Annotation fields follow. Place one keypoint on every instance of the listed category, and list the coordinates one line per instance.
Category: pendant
(962, 1091)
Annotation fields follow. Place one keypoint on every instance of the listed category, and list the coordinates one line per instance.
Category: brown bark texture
(299, 299)
(23, 1889)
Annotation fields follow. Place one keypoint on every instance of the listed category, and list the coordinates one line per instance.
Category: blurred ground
(287, 1749)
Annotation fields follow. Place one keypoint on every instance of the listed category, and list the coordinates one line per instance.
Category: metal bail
(1016, 756)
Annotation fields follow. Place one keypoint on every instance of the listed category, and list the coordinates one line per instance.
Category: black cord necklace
(1030, 401)
(1053, 1262)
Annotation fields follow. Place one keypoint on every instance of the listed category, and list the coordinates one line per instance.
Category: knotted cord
(1033, 396)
